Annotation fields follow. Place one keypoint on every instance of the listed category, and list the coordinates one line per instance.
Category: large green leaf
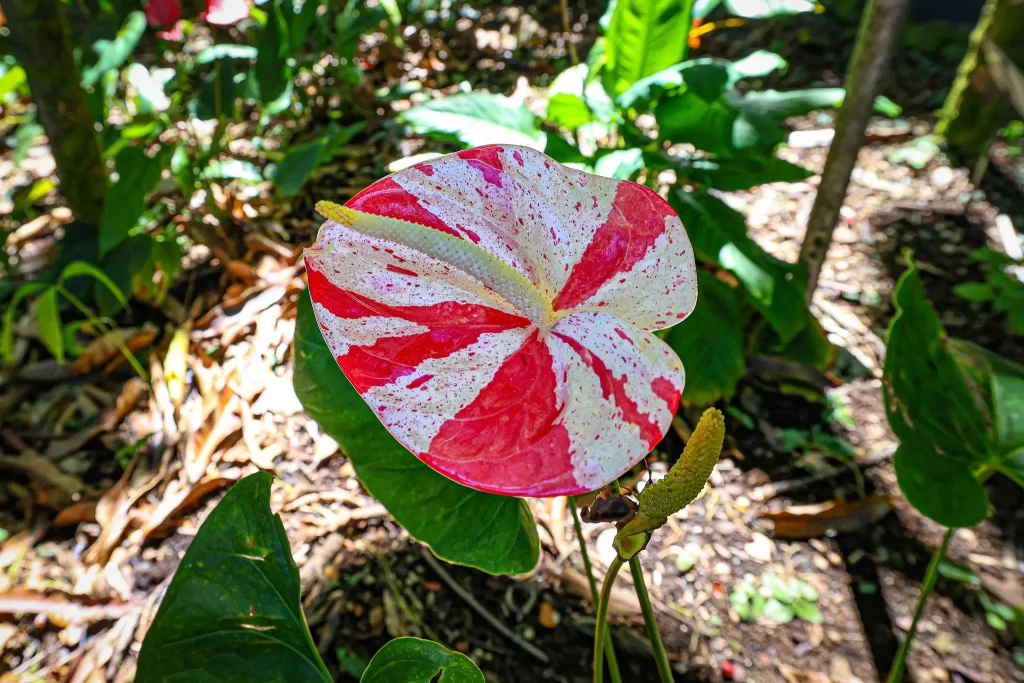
(931, 408)
(782, 105)
(644, 37)
(298, 165)
(137, 176)
(412, 660)
(731, 174)
(717, 125)
(755, 65)
(621, 164)
(713, 358)
(476, 118)
(461, 525)
(272, 71)
(701, 75)
(573, 102)
(111, 54)
(719, 236)
(232, 611)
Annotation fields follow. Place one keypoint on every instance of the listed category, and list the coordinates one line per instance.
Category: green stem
(930, 576)
(650, 621)
(601, 627)
(613, 663)
(104, 330)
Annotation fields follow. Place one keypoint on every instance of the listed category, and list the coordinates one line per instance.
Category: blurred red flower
(163, 13)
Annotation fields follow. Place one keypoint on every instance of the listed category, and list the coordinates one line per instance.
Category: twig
(533, 650)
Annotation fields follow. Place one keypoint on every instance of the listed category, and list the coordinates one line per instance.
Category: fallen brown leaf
(811, 521)
(102, 349)
(164, 517)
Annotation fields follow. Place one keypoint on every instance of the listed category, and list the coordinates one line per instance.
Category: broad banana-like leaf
(495, 309)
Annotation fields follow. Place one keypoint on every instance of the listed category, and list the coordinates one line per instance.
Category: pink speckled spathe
(496, 397)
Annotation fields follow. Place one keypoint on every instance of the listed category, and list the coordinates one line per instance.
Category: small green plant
(956, 409)
(49, 298)
(775, 600)
(1002, 287)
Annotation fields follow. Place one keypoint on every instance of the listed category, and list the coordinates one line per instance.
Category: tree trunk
(976, 106)
(879, 29)
(41, 43)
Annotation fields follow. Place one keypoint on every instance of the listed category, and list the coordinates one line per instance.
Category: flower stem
(613, 664)
(660, 657)
(601, 627)
(930, 576)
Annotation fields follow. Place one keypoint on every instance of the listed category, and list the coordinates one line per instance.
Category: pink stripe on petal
(387, 198)
(637, 219)
(508, 440)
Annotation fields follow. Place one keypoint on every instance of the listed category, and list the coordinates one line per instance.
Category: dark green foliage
(232, 611)
(412, 660)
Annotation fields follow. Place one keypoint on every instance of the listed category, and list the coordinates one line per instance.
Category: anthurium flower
(163, 13)
(225, 12)
(495, 309)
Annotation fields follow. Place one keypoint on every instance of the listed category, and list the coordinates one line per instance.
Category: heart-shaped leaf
(494, 533)
(232, 611)
(932, 409)
(496, 309)
(412, 660)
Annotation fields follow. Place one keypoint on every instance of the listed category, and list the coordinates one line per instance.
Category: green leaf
(496, 534)
(7, 334)
(412, 660)
(476, 118)
(204, 105)
(782, 105)
(12, 81)
(931, 408)
(735, 174)
(138, 175)
(272, 71)
(572, 102)
(298, 165)
(779, 589)
(713, 370)
(622, 164)
(298, 24)
(808, 611)
(941, 488)
(702, 75)
(232, 169)
(975, 291)
(719, 236)
(755, 65)
(48, 322)
(721, 126)
(644, 37)
(111, 54)
(1000, 382)
(232, 611)
(228, 51)
(777, 612)
(762, 9)
(83, 268)
(295, 169)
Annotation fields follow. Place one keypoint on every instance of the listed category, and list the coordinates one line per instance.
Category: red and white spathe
(536, 373)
